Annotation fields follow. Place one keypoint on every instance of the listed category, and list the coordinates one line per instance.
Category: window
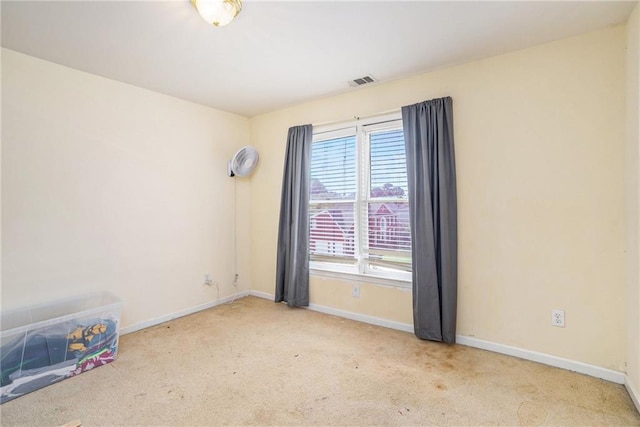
(359, 211)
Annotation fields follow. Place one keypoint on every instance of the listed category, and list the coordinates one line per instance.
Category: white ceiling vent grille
(361, 81)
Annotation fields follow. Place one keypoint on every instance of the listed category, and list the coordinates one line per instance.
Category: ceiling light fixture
(218, 12)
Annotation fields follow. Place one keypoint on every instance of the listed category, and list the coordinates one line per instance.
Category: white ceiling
(280, 53)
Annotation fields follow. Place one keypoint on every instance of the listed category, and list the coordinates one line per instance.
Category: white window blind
(389, 235)
(332, 200)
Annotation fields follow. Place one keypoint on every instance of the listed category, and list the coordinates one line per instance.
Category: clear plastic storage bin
(44, 344)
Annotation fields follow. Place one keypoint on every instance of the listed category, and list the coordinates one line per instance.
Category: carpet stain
(527, 389)
(447, 366)
(531, 414)
(440, 386)
(262, 417)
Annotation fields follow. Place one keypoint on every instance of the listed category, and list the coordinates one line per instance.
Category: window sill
(362, 278)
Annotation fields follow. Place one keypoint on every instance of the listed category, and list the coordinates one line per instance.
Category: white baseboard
(545, 359)
(635, 396)
(263, 295)
(158, 320)
(347, 314)
(372, 320)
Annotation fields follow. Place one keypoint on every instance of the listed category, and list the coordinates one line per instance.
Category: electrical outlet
(557, 318)
(355, 291)
(207, 280)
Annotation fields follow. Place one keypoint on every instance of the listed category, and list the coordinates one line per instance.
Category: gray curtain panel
(431, 170)
(292, 270)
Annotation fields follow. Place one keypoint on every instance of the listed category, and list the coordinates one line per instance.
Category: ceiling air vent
(361, 81)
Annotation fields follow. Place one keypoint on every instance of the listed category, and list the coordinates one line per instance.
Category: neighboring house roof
(342, 215)
(339, 218)
(399, 210)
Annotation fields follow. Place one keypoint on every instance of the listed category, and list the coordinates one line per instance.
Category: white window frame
(360, 271)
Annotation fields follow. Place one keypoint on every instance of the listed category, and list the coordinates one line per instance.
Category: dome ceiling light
(218, 12)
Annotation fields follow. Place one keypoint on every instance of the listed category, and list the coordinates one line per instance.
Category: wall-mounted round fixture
(218, 12)
(243, 162)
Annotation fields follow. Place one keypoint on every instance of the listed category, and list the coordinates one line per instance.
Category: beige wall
(106, 186)
(633, 230)
(540, 155)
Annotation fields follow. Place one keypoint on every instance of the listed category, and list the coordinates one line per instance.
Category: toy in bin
(46, 355)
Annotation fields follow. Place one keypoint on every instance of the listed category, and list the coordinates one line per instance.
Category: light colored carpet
(256, 362)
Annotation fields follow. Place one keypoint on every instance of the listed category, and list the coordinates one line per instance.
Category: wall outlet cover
(355, 291)
(557, 318)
